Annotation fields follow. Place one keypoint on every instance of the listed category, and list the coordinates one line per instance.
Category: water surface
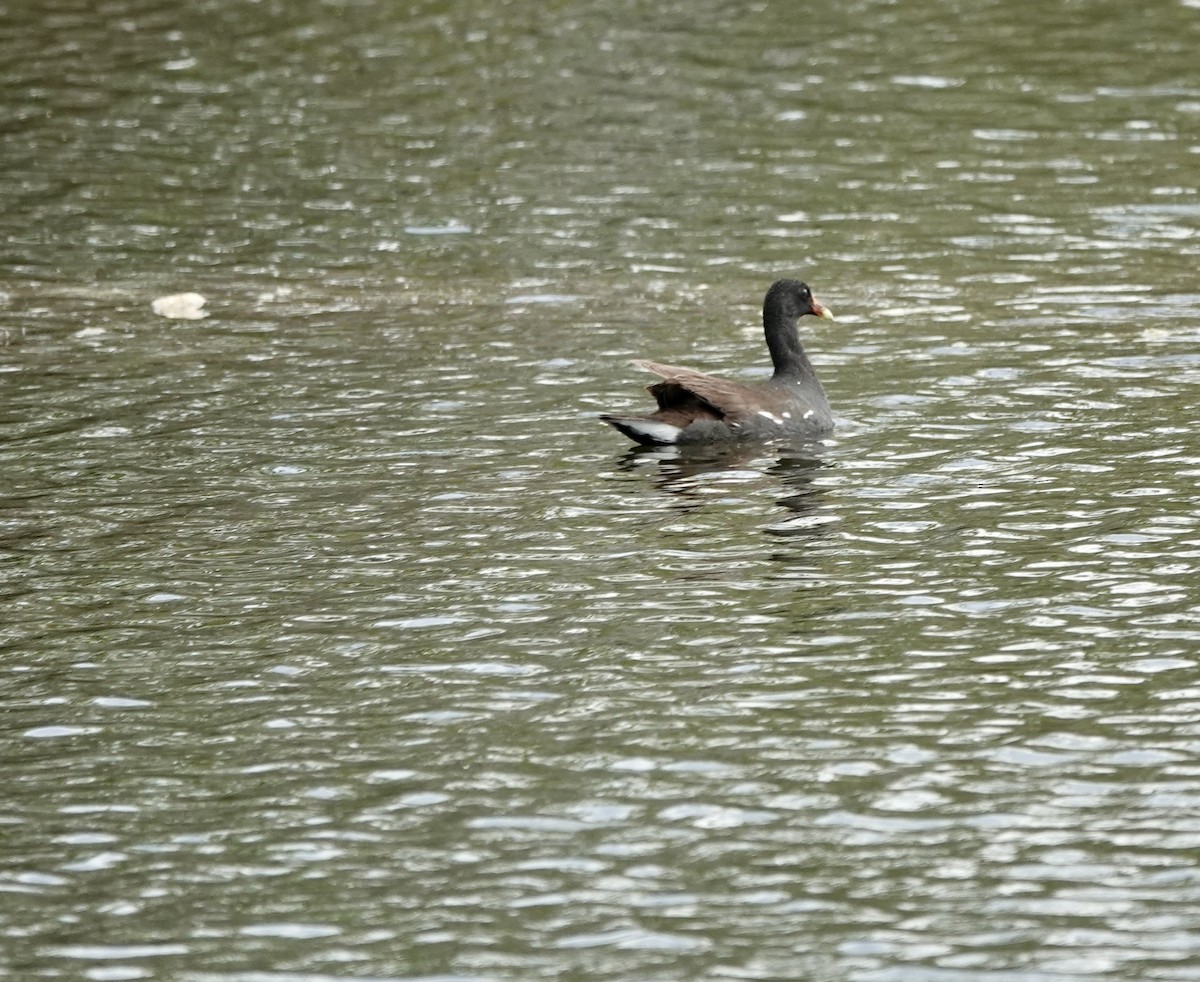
(341, 640)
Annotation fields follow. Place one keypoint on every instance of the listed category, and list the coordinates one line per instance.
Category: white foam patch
(771, 416)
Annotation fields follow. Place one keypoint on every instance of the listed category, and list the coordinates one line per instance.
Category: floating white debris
(105, 432)
(450, 228)
(181, 306)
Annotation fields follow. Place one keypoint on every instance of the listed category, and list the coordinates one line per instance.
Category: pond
(341, 640)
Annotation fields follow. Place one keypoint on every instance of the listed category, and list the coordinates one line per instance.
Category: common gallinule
(698, 408)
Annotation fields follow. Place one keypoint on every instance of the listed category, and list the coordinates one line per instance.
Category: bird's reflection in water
(805, 501)
(679, 471)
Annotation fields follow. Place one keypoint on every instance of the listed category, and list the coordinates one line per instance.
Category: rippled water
(341, 641)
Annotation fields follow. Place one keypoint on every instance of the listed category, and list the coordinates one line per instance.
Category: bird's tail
(649, 432)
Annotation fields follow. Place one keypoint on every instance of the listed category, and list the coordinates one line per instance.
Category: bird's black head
(794, 299)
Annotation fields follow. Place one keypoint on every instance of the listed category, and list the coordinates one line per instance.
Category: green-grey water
(339, 640)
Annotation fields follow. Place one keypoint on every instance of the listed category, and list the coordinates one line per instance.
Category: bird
(695, 408)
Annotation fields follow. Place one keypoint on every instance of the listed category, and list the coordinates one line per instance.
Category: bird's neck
(787, 354)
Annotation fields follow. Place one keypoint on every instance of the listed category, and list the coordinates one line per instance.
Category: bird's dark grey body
(697, 408)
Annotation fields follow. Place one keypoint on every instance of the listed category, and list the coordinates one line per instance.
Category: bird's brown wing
(695, 394)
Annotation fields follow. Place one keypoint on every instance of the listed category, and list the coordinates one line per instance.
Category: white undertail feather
(645, 430)
(662, 432)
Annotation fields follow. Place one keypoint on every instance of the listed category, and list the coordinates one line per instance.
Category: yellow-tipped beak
(821, 310)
